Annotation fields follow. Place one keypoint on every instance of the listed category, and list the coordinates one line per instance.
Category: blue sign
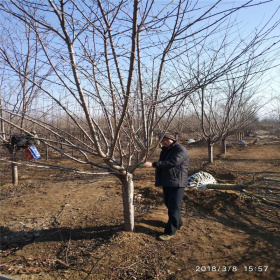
(34, 152)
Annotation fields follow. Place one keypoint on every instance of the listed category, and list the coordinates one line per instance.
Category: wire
(44, 165)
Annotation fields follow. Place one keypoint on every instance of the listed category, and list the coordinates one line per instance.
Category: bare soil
(65, 225)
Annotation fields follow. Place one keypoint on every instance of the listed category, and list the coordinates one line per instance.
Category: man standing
(172, 176)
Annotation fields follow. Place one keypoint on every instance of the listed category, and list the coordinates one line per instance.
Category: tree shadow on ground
(148, 227)
(153, 223)
(15, 239)
(18, 239)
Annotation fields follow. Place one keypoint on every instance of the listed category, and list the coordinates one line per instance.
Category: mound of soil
(209, 201)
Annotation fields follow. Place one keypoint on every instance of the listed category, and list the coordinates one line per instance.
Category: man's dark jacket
(172, 167)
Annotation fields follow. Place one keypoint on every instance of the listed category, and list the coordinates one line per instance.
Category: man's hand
(148, 164)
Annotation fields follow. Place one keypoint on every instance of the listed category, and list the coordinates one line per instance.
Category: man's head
(168, 139)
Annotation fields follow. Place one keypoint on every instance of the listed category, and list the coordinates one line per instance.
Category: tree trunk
(14, 171)
(47, 153)
(224, 146)
(2, 129)
(210, 152)
(128, 203)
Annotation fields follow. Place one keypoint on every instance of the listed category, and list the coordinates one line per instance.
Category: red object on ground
(28, 154)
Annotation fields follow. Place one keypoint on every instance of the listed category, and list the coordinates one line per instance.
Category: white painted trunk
(210, 152)
(128, 203)
(14, 172)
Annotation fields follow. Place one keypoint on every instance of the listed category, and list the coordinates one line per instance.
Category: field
(65, 225)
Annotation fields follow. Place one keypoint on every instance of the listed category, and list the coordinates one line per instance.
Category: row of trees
(122, 71)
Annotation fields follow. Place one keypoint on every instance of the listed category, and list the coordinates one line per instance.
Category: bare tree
(226, 106)
(225, 100)
(24, 85)
(2, 124)
(117, 66)
(275, 105)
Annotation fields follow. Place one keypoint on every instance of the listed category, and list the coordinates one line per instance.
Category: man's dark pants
(173, 200)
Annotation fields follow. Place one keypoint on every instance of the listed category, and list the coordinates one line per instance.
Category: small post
(14, 170)
(47, 153)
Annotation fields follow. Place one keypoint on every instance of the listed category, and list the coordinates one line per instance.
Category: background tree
(21, 87)
(116, 64)
(226, 107)
(227, 99)
(276, 107)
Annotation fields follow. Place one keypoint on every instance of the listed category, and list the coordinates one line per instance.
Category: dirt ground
(64, 225)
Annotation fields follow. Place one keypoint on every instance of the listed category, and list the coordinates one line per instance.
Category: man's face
(166, 142)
